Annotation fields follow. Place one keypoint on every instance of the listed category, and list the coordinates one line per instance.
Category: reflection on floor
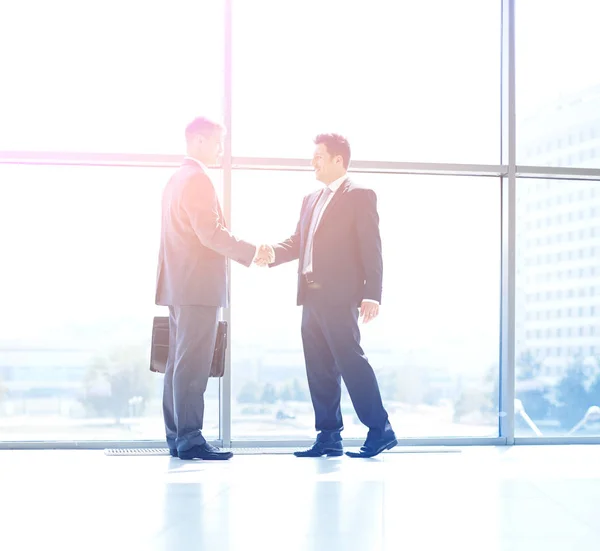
(525, 498)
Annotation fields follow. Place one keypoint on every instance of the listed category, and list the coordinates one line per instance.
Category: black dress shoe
(373, 447)
(330, 449)
(205, 451)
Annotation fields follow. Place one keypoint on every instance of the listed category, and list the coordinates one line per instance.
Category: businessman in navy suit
(340, 272)
(195, 244)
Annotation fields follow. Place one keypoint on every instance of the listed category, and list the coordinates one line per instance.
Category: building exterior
(558, 235)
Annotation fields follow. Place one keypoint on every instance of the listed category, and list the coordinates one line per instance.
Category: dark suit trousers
(332, 351)
(192, 336)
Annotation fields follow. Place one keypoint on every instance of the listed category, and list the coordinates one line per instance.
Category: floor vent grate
(266, 451)
(136, 451)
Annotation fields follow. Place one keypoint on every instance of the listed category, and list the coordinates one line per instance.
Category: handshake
(265, 255)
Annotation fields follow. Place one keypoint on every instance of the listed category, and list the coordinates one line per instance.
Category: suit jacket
(347, 262)
(194, 242)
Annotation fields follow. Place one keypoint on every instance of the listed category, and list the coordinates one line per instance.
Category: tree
(249, 394)
(285, 395)
(405, 383)
(480, 398)
(113, 380)
(269, 394)
(300, 392)
(530, 387)
(294, 391)
(492, 383)
(470, 401)
(527, 366)
(3, 394)
(578, 390)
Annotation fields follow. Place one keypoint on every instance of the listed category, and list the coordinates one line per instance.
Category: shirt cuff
(371, 300)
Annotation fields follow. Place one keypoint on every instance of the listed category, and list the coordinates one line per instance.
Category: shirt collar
(335, 185)
(199, 163)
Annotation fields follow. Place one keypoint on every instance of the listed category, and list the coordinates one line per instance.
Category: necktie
(313, 226)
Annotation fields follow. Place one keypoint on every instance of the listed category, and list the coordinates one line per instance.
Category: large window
(112, 85)
(558, 308)
(558, 94)
(405, 81)
(434, 346)
(117, 76)
(79, 253)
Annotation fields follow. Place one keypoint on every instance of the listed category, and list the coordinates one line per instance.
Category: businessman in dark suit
(338, 245)
(192, 281)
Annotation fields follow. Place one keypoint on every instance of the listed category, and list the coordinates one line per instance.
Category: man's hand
(266, 255)
(369, 311)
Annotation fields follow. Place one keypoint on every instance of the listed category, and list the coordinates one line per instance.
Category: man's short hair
(202, 126)
(336, 145)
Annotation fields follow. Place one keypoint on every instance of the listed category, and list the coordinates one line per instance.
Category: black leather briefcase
(159, 351)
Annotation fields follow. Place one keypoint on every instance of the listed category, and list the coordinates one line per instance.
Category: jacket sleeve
(200, 203)
(369, 242)
(289, 250)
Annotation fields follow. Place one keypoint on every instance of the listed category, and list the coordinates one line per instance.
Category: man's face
(212, 147)
(327, 168)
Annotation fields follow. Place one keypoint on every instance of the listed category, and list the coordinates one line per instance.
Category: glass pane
(108, 76)
(558, 96)
(558, 351)
(434, 346)
(79, 251)
(402, 80)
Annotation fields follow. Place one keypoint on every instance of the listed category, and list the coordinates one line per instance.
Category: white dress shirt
(334, 186)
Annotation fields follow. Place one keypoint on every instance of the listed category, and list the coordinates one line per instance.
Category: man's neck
(342, 175)
(196, 158)
(202, 163)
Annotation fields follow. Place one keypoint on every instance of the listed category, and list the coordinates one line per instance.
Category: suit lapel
(336, 197)
(308, 213)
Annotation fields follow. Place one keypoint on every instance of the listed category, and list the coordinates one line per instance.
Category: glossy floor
(525, 498)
